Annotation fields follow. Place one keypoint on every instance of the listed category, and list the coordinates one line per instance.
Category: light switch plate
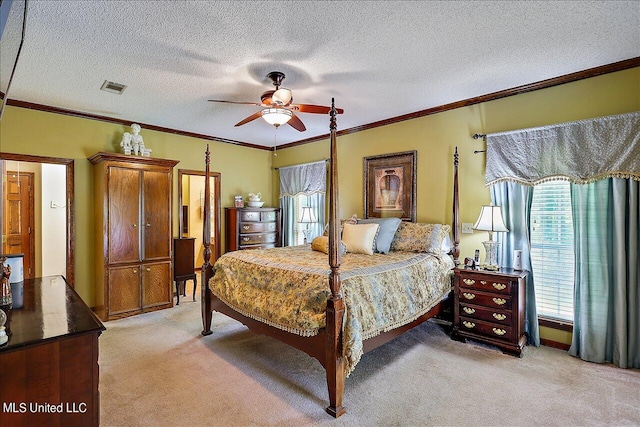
(467, 228)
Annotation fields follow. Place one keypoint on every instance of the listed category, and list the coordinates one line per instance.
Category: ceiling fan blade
(235, 102)
(249, 119)
(296, 123)
(316, 109)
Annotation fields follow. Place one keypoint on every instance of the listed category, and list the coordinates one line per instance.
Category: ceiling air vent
(113, 87)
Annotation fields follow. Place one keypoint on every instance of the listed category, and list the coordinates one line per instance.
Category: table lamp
(306, 217)
(490, 220)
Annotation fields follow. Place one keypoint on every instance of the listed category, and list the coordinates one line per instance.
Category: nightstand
(489, 307)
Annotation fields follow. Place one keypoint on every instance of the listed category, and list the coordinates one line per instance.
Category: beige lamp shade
(490, 220)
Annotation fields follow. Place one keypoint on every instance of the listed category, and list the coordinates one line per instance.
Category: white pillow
(360, 238)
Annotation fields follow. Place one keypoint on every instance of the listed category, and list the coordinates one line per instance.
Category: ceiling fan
(278, 108)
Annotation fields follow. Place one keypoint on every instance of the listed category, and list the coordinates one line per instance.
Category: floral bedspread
(288, 288)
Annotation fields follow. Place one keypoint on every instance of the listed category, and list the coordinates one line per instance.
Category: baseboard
(554, 344)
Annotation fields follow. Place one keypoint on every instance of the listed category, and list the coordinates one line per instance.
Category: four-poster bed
(332, 341)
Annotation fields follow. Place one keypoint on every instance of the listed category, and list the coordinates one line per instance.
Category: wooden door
(19, 219)
(156, 284)
(124, 289)
(157, 215)
(124, 215)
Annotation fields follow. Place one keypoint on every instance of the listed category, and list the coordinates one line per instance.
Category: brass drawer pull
(499, 286)
(468, 295)
(246, 239)
(245, 227)
(468, 282)
(499, 316)
(499, 332)
(469, 325)
(483, 282)
(468, 310)
(500, 301)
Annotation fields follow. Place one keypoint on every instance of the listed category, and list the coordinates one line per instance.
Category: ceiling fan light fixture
(276, 116)
(282, 96)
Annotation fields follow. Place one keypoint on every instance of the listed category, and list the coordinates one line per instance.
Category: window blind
(552, 253)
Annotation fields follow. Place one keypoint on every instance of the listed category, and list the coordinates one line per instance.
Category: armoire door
(157, 215)
(124, 289)
(124, 215)
(156, 288)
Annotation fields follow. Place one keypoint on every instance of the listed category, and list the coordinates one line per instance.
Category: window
(552, 254)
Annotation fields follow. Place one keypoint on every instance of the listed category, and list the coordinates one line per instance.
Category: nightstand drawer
(489, 329)
(257, 227)
(485, 284)
(469, 296)
(502, 317)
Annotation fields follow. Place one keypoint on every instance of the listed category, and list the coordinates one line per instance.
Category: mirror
(191, 204)
(36, 215)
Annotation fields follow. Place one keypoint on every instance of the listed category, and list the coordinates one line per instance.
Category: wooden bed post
(206, 273)
(335, 304)
(456, 211)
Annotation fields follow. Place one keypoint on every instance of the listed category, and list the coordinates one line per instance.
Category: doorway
(190, 211)
(52, 209)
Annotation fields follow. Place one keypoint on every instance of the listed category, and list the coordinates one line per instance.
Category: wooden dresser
(489, 306)
(133, 237)
(49, 367)
(252, 228)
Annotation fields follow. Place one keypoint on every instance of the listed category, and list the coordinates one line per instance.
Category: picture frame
(390, 186)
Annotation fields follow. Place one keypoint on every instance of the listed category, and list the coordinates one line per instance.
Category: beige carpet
(157, 370)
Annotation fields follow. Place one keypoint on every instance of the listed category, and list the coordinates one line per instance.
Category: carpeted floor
(157, 370)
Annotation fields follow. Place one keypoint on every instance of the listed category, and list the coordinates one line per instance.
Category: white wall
(54, 218)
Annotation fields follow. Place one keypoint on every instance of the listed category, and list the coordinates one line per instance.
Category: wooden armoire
(133, 237)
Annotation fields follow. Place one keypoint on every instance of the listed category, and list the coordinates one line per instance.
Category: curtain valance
(582, 151)
(307, 179)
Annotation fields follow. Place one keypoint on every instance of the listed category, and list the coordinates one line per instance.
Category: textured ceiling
(379, 59)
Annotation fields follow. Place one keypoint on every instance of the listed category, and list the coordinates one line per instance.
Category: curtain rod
(478, 136)
(301, 164)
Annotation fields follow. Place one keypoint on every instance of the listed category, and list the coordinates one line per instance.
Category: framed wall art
(390, 186)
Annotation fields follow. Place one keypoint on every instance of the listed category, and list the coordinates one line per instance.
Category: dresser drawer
(257, 216)
(254, 239)
(503, 317)
(485, 284)
(493, 330)
(264, 246)
(257, 227)
(470, 296)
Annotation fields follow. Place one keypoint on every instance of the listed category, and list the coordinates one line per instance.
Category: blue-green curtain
(515, 202)
(606, 218)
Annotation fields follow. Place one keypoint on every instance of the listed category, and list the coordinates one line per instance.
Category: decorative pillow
(388, 227)
(352, 220)
(321, 243)
(360, 238)
(420, 237)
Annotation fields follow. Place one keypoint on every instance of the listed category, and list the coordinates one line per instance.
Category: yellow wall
(435, 136)
(247, 170)
(39, 133)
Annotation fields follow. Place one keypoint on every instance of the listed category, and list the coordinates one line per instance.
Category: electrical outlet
(467, 228)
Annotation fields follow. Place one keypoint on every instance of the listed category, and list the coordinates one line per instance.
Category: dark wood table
(49, 366)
